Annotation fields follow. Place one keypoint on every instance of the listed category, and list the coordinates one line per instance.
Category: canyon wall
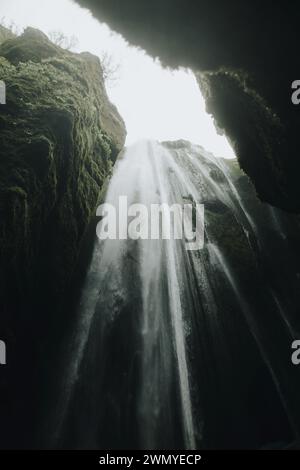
(59, 139)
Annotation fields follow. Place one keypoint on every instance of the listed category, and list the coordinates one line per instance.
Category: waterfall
(167, 342)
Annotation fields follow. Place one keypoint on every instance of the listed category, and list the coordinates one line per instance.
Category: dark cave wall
(247, 55)
(59, 138)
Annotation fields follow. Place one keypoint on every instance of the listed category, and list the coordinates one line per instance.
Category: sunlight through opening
(155, 103)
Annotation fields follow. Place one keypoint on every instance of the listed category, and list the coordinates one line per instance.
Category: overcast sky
(154, 102)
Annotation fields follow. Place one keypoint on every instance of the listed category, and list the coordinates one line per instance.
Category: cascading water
(158, 353)
(168, 342)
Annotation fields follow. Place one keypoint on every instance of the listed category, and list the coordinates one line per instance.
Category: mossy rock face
(33, 45)
(256, 131)
(5, 34)
(60, 136)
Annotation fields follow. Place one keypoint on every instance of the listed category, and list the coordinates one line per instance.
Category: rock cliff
(59, 139)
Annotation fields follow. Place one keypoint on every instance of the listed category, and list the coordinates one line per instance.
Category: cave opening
(155, 102)
(167, 105)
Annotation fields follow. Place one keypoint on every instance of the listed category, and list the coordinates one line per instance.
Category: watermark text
(2, 353)
(2, 92)
(159, 221)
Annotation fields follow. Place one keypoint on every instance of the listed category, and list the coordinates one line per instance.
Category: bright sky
(154, 102)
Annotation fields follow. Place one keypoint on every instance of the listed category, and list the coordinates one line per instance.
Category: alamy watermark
(2, 343)
(159, 221)
(295, 358)
(296, 93)
(2, 92)
(2, 353)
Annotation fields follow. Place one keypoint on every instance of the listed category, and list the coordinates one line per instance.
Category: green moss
(5, 34)
(58, 146)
